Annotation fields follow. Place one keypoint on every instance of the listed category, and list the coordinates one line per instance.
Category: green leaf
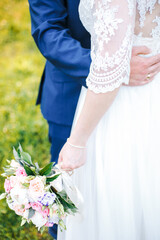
(46, 170)
(16, 155)
(51, 211)
(61, 224)
(8, 161)
(9, 172)
(31, 213)
(26, 185)
(66, 202)
(23, 222)
(43, 207)
(3, 195)
(26, 157)
(37, 166)
(28, 170)
(42, 229)
(20, 148)
(4, 175)
(61, 208)
(51, 179)
(34, 170)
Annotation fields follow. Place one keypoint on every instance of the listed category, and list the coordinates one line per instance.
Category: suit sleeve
(53, 38)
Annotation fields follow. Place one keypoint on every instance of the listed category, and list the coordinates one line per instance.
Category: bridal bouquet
(41, 196)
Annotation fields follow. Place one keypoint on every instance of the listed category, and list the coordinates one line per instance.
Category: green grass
(21, 121)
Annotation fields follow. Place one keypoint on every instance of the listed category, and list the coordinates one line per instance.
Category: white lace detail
(131, 7)
(119, 62)
(156, 31)
(111, 24)
(106, 23)
(145, 6)
(111, 42)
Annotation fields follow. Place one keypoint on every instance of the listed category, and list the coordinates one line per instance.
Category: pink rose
(19, 210)
(7, 186)
(45, 212)
(14, 180)
(37, 206)
(36, 188)
(21, 172)
(49, 224)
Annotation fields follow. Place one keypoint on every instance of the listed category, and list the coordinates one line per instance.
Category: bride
(114, 146)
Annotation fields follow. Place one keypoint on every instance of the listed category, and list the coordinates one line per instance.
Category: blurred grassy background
(21, 66)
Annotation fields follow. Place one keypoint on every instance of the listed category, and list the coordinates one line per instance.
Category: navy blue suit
(63, 41)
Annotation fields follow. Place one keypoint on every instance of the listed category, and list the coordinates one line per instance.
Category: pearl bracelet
(72, 145)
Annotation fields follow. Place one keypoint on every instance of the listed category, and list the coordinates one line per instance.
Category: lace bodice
(112, 25)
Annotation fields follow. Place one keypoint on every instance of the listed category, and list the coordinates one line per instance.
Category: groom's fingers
(137, 50)
(153, 60)
(143, 50)
(141, 66)
(146, 62)
(154, 68)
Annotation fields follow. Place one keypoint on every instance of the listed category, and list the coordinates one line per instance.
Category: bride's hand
(71, 157)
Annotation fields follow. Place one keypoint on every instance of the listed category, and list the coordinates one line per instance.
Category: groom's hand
(143, 69)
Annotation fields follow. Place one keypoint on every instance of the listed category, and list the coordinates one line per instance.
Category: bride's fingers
(66, 167)
(63, 166)
(60, 159)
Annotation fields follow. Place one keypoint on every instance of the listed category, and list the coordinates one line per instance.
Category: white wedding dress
(120, 181)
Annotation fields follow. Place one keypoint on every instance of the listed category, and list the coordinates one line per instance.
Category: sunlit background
(21, 121)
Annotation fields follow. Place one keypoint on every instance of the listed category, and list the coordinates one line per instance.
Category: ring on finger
(148, 76)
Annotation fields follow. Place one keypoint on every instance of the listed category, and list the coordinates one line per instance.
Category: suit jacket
(63, 41)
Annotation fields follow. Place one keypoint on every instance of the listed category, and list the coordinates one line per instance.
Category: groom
(65, 44)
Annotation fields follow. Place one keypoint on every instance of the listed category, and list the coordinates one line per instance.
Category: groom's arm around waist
(53, 38)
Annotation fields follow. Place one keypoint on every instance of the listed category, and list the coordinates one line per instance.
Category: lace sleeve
(111, 44)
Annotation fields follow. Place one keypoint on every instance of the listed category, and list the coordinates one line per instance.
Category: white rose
(19, 195)
(22, 179)
(38, 220)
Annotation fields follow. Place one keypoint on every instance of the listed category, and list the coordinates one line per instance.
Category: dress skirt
(120, 181)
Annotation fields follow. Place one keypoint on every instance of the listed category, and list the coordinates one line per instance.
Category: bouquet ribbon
(64, 181)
